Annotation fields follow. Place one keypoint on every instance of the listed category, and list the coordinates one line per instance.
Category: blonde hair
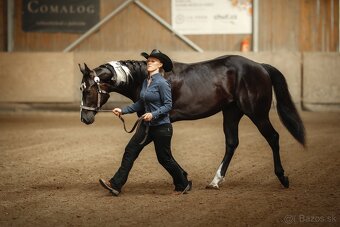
(161, 71)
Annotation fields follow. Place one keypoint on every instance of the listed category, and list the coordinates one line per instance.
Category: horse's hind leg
(231, 119)
(272, 137)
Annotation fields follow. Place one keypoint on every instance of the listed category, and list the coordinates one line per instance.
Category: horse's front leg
(231, 119)
(218, 178)
(222, 169)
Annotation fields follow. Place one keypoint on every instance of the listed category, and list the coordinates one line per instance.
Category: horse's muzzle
(87, 117)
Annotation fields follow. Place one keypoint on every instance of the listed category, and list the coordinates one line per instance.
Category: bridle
(99, 95)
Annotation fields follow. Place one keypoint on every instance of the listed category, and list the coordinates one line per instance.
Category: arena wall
(55, 77)
(321, 83)
(36, 77)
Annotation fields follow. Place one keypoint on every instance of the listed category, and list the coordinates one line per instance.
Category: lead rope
(136, 125)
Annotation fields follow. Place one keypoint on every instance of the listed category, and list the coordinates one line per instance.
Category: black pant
(161, 136)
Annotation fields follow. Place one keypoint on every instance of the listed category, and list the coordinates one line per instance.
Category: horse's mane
(129, 75)
(137, 69)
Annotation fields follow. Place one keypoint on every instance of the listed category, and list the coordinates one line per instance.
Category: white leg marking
(217, 179)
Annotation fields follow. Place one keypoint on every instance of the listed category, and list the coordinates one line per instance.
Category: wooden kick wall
(284, 25)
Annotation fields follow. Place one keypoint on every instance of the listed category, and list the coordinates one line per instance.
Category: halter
(99, 94)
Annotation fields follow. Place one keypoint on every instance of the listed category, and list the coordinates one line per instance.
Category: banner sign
(212, 16)
(59, 15)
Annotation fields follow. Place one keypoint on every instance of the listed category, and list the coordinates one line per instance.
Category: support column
(10, 23)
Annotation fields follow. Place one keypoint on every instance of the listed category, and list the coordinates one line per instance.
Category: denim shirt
(155, 98)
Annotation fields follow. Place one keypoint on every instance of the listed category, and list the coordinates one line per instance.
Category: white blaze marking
(82, 88)
(122, 72)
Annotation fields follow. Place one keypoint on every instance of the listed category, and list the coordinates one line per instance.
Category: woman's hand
(147, 116)
(117, 111)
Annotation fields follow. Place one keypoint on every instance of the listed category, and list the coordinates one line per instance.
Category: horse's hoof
(214, 187)
(284, 181)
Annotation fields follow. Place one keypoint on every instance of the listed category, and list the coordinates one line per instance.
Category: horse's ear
(87, 69)
(82, 70)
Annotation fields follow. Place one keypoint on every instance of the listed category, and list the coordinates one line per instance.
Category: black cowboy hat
(166, 61)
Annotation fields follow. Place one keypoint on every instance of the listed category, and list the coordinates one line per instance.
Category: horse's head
(123, 77)
(94, 92)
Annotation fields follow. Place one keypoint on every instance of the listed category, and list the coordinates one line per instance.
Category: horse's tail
(286, 109)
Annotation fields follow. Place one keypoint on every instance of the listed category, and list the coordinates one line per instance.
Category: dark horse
(232, 84)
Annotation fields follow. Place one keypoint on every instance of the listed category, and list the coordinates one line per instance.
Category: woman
(156, 101)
